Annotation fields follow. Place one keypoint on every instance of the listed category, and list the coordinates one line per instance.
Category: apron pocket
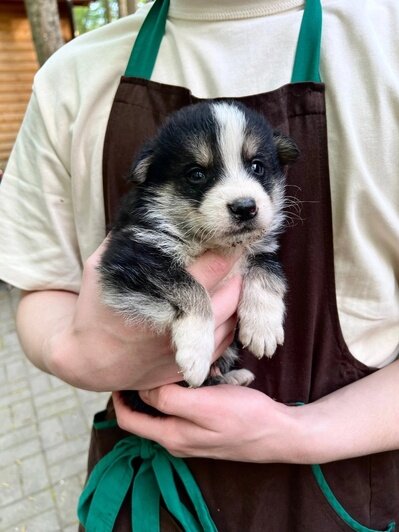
(337, 509)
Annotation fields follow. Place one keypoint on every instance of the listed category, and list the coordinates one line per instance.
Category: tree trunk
(126, 7)
(107, 11)
(45, 25)
(122, 8)
(131, 6)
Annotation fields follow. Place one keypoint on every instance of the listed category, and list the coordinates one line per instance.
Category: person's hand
(236, 423)
(225, 422)
(99, 350)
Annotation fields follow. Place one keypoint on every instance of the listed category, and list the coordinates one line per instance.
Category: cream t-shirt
(51, 198)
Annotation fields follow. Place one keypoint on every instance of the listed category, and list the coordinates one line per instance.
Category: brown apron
(361, 494)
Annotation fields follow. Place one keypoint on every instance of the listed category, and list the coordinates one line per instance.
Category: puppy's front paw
(238, 377)
(261, 324)
(194, 371)
(193, 338)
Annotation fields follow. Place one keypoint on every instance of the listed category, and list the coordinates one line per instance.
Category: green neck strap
(307, 57)
(145, 50)
(153, 478)
(146, 47)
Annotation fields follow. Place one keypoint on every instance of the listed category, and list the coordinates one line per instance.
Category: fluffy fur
(211, 179)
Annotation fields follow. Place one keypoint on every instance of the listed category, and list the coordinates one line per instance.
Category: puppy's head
(215, 173)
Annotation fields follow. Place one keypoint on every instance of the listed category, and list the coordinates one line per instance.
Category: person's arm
(81, 341)
(235, 423)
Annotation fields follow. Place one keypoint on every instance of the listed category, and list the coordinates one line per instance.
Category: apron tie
(152, 478)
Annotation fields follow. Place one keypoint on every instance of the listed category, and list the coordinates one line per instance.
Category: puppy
(213, 178)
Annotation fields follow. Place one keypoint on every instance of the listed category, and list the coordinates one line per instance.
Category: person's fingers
(210, 269)
(140, 424)
(205, 407)
(174, 433)
(176, 400)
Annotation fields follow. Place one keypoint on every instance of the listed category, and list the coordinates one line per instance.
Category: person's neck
(229, 9)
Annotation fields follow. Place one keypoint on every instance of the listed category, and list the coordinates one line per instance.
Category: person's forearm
(40, 316)
(359, 419)
(80, 341)
(85, 343)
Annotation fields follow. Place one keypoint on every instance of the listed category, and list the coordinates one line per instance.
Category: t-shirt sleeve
(38, 244)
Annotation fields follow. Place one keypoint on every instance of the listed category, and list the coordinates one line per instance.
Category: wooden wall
(18, 65)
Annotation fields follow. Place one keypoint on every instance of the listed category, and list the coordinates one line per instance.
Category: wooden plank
(12, 35)
(12, 115)
(12, 107)
(10, 118)
(9, 129)
(7, 86)
(10, 57)
(9, 8)
(15, 3)
(8, 136)
(11, 133)
(16, 46)
(17, 56)
(22, 85)
(17, 66)
(15, 93)
(13, 20)
(23, 68)
(20, 96)
(17, 62)
(6, 147)
(20, 74)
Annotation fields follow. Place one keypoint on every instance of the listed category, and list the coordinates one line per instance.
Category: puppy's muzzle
(243, 209)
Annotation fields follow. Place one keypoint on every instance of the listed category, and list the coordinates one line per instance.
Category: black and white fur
(211, 179)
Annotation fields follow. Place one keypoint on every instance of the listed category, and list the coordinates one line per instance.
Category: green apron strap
(145, 50)
(164, 475)
(146, 499)
(307, 57)
(156, 475)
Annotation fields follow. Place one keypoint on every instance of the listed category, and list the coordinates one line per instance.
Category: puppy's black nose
(243, 209)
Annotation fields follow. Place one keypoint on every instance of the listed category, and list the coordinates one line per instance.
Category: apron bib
(360, 494)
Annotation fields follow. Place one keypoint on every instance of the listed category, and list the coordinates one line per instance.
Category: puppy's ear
(139, 170)
(287, 150)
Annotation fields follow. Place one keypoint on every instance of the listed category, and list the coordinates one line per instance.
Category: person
(254, 452)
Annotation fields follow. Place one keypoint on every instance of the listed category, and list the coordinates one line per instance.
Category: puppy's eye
(257, 167)
(196, 176)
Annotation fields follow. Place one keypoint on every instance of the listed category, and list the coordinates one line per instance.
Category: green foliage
(97, 14)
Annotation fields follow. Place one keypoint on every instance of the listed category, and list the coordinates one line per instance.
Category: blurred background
(32, 30)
